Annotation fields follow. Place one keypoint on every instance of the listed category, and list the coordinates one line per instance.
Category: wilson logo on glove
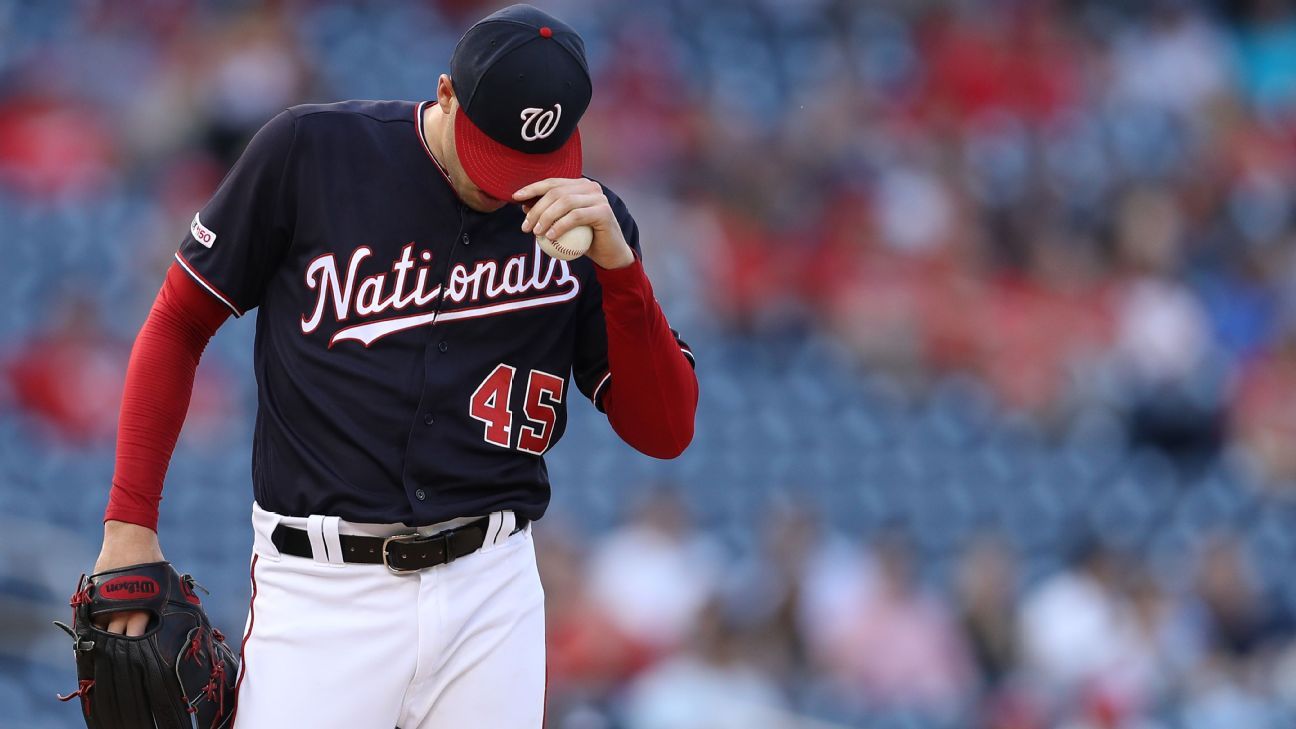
(128, 588)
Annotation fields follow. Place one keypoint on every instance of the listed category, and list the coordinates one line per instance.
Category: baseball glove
(179, 674)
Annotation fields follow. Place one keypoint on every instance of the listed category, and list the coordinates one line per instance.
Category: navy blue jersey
(413, 356)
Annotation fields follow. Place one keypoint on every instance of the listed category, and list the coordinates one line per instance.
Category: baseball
(569, 245)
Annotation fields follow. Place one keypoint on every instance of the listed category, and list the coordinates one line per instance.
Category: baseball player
(414, 349)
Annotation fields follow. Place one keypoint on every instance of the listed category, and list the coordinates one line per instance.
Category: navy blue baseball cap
(522, 82)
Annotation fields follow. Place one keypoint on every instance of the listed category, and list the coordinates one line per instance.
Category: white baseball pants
(352, 646)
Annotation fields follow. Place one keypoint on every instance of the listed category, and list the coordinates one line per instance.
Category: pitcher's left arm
(629, 361)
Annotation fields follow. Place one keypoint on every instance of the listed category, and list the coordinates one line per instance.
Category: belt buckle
(396, 538)
(443, 537)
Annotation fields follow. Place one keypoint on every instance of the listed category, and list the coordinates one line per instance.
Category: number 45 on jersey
(490, 405)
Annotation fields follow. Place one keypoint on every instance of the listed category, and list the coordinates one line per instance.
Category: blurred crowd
(652, 627)
(1084, 205)
(1087, 203)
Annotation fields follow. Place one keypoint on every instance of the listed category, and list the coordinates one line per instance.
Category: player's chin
(484, 203)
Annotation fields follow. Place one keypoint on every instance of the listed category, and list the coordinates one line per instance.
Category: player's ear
(445, 94)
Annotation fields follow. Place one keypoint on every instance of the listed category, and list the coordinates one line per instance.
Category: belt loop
(492, 527)
(315, 532)
(509, 520)
(332, 542)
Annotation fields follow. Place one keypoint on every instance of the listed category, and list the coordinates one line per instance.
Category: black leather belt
(400, 553)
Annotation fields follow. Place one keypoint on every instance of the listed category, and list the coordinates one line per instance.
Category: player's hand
(556, 205)
(125, 545)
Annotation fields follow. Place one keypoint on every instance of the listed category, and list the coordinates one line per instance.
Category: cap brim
(501, 171)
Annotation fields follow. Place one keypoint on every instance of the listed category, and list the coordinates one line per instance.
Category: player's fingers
(562, 207)
(536, 189)
(136, 623)
(579, 216)
(116, 623)
(541, 204)
(534, 210)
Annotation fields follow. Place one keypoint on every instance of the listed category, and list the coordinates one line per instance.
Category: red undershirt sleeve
(653, 392)
(159, 384)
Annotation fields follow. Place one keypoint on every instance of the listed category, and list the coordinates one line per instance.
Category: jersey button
(421, 495)
(443, 346)
(428, 419)
(464, 238)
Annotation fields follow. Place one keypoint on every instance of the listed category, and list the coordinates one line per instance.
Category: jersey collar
(419, 129)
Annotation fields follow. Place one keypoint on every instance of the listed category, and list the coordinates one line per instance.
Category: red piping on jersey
(418, 127)
(598, 389)
(246, 637)
(211, 288)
